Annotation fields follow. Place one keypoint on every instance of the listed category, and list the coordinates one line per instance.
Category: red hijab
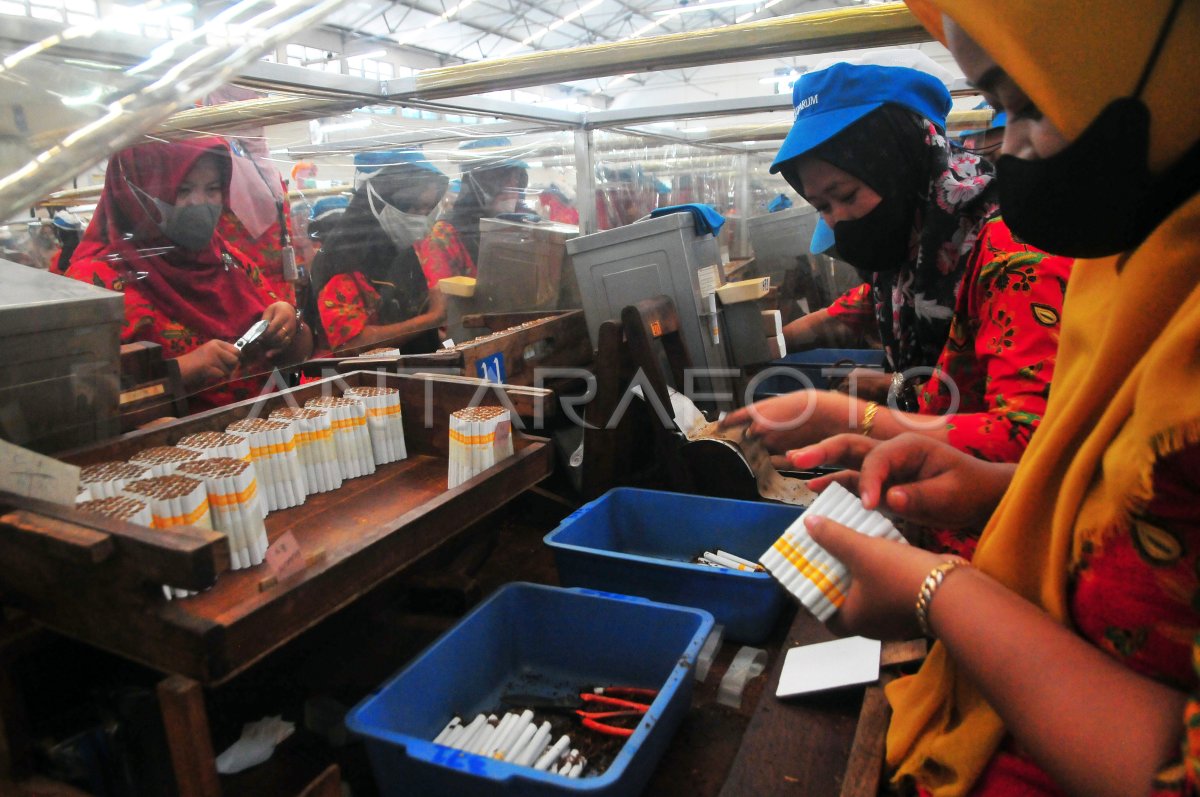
(198, 289)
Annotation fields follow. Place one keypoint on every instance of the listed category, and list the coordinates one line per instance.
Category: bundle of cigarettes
(233, 501)
(348, 418)
(174, 501)
(119, 507)
(383, 351)
(810, 572)
(384, 421)
(107, 479)
(276, 463)
(515, 738)
(314, 446)
(479, 438)
(217, 444)
(719, 558)
(162, 460)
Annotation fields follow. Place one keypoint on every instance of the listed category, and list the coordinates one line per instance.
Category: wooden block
(894, 653)
(185, 720)
(864, 769)
(57, 538)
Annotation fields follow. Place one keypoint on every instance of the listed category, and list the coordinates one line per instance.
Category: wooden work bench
(97, 581)
(219, 642)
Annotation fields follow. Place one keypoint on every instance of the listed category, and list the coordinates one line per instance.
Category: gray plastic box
(523, 266)
(781, 240)
(620, 267)
(60, 345)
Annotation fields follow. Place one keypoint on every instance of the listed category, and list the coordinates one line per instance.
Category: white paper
(258, 742)
(35, 475)
(829, 665)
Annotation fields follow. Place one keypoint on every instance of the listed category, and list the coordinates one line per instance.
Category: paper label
(35, 475)
(284, 557)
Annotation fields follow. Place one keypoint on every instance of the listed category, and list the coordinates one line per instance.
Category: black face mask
(879, 240)
(1097, 197)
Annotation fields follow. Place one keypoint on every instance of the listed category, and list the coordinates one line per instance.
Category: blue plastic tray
(530, 638)
(641, 542)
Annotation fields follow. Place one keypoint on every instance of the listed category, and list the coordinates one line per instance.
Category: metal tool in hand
(609, 702)
(252, 334)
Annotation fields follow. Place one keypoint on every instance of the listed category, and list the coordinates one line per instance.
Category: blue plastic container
(642, 542)
(531, 639)
(816, 366)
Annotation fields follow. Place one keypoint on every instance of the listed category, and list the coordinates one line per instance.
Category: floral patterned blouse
(1135, 596)
(443, 254)
(266, 248)
(347, 305)
(1001, 347)
(144, 321)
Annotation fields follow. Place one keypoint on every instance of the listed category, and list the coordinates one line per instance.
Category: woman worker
(1066, 655)
(956, 299)
(367, 277)
(152, 238)
(492, 184)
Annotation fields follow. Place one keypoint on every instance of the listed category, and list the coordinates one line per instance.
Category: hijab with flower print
(905, 158)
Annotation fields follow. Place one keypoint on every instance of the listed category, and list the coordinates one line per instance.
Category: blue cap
(499, 160)
(328, 204)
(661, 188)
(455, 185)
(373, 161)
(780, 202)
(828, 101)
(66, 220)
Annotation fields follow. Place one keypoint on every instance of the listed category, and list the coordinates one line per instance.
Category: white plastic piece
(708, 652)
(748, 663)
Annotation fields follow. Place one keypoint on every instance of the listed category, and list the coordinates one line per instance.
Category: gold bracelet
(868, 421)
(929, 586)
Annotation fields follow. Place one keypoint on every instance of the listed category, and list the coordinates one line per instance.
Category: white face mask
(405, 229)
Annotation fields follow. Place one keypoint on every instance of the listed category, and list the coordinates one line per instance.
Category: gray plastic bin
(620, 267)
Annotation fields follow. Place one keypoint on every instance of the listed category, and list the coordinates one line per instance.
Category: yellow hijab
(1128, 370)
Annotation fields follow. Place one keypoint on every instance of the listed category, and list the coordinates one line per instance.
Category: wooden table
(97, 580)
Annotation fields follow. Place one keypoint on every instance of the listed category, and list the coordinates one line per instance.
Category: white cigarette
(552, 755)
(514, 750)
(535, 746)
(454, 722)
(739, 559)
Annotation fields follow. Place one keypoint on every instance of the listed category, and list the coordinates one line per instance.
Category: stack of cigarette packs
(479, 438)
(808, 571)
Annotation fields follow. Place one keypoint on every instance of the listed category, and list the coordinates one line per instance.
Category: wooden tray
(552, 340)
(353, 537)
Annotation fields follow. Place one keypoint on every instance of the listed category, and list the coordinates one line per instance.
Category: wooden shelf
(355, 537)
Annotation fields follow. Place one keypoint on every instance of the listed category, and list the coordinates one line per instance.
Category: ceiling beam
(823, 31)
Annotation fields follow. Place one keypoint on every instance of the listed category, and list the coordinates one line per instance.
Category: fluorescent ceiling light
(688, 9)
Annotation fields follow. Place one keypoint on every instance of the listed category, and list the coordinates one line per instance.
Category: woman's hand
(911, 476)
(212, 362)
(282, 326)
(885, 578)
(798, 418)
